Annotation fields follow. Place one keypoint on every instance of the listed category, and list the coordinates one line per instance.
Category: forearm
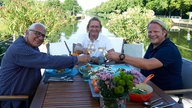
(147, 64)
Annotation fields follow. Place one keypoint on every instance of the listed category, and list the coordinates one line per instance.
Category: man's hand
(84, 58)
(113, 56)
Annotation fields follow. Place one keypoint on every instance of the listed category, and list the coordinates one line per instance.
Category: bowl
(141, 97)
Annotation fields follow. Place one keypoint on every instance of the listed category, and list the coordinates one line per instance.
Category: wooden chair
(15, 97)
(186, 76)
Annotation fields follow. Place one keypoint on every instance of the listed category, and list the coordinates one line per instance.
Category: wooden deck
(182, 23)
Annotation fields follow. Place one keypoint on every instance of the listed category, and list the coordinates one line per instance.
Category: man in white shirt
(93, 42)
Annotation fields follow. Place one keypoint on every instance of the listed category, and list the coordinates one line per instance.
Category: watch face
(122, 56)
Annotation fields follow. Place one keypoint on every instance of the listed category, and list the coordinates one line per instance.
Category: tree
(169, 6)
(131, 25)
(17, 15)
(157, 5)
(181, 5)
(72, 6)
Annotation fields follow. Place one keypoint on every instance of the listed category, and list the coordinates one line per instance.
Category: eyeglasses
(38, 33)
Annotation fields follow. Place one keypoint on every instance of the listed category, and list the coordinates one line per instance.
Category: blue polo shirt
(167, 77)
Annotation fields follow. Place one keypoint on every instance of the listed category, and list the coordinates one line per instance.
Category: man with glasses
(20, 69)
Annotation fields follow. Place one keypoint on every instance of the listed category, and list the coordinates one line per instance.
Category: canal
(181, 36)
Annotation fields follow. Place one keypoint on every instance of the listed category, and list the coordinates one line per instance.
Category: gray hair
(159, 22)
(37, 24)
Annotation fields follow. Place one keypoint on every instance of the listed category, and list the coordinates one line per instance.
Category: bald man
(20, 69)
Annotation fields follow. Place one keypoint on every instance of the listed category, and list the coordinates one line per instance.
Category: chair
(18, 97)
(117, 43)
(186, 76)
(134, 50)
(58, 48)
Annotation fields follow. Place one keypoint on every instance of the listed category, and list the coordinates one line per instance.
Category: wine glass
(102, 48)
(91, 48)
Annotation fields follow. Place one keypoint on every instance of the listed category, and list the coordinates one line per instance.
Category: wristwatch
(122, 56)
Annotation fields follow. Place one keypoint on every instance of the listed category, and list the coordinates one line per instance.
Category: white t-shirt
(102, 41)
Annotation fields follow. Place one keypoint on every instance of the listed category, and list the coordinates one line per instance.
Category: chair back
(117, 43)
(134, 50)
(58, 48)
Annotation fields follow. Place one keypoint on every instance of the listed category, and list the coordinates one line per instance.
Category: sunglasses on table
(38, 33)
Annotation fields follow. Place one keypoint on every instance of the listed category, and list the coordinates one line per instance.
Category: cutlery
(156, 106)
(153, 101)
(166, 105)
(64, 78)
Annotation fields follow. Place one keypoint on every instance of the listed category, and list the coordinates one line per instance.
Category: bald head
(35, 34)
(34, 25)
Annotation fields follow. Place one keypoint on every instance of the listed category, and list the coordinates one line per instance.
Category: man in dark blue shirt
(21, 64)
(162, 58)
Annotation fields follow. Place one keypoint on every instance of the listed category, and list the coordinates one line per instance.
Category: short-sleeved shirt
(167, 77)
(20, 69)
(102, 41)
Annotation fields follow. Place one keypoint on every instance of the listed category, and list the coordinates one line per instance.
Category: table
(77, 94)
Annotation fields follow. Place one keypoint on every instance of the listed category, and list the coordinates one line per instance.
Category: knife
(63, 79)
(166, 105)
(67, 48)
(156, 106)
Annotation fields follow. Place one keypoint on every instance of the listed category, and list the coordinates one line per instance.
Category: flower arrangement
(116, 86)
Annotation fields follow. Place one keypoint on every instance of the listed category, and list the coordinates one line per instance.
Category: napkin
(52, 75)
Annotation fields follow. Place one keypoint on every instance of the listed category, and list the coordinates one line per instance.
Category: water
(179, 35)
(182, 38)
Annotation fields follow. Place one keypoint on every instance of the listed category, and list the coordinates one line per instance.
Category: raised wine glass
(102, 49)
(91, 49)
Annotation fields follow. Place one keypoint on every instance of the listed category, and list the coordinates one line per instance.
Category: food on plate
(121, 69)
(141, 93)
(94, 82)
(86, 68)
(138, 91)
(75, 54)
(96, 89)
(60, 70)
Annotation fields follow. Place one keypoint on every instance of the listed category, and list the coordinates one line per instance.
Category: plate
(82, 69)
(95, 95)
(64, 72)
(60, 71)
(118, 66)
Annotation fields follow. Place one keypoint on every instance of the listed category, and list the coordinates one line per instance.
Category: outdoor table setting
(60, 88)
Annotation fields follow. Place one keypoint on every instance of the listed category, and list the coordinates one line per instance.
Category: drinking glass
(91, 49)
(102, 49)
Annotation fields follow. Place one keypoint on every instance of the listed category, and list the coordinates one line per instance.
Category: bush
(131, 25)
(17, 15)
